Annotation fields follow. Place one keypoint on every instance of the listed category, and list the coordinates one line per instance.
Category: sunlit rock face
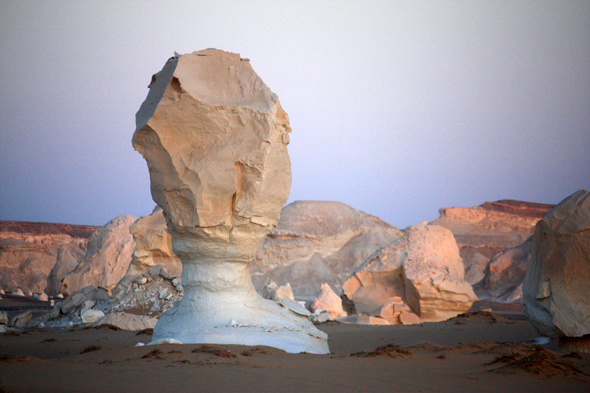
(556, 288)
(319, 242)
(483, 231)
(107, 259)
(421, 275)
(215, 140)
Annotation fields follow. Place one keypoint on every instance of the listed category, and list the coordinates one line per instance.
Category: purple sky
(397, 108)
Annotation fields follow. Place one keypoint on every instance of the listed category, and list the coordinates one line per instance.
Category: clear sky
(398, 108)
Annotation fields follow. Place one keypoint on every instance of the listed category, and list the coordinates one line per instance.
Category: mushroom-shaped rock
(556, 288)
(421, 272)
(215, 140)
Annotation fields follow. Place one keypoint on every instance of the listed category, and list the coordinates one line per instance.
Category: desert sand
(475, 352)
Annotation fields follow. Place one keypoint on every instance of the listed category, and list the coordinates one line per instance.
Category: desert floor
(474, 352)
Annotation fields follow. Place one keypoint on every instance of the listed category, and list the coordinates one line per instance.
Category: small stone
(141, 280)
(18, 292)
(60, 295)
(43, 297)
(3, 318)
(29, 294)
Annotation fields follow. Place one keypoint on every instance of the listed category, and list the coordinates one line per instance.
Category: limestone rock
(128, 321)
(22, 320)
(423, 269)
(28, 251)
(215, 140)
(108, 257)
(77, 299)
(92, 316)
(66, 262)
(504, 274)
(152, 246)
(482, 231)
(319, 242)
(329, 301)
(556, 288)
(18, 292)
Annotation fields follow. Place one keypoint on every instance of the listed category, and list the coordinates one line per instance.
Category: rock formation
(29, 250)
(504, 274)
(556, 288)
(152, 252)
(215, 140)
(420, 273)
(485, 230)
(107, 258)
(319, 242)
(329, 301)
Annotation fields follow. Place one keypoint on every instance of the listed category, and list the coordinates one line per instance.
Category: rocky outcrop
(215, 140)
(482, 231)
(557, 284)
(420, 273)
(28, 252)
(107, 259)
(152, 252)
(329, 301)
(319, 242)
(504, 275)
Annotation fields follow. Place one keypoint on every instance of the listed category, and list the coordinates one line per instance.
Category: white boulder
(556, 288)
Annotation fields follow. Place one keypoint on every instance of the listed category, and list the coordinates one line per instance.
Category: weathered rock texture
(107, 258)
(485, 230)
(421, 273)
(504, 274)
(152, 252)
(28, 252)
(329, 301)
(319, 242)
(557, 284)
(215, 140)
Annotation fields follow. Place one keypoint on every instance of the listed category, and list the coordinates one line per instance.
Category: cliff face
(29, 250)
(485, 230)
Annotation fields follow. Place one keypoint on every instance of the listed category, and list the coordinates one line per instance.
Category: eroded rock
(557, 284)
(215, 140)
(319, 242)
(108, 257)
(421, 273)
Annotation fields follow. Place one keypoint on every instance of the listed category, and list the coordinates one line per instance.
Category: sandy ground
(476, 352)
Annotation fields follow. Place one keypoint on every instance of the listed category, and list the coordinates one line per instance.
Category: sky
(398, 108)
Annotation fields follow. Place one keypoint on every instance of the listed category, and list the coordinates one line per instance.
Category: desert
(224, 288)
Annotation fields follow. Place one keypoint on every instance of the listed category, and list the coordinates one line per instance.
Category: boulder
(92, 316)
(329, 301)
(108, 257)
(504, 275)
(22, 320)
(152, 246)
(556, 287)
(215, 139)
(319, 242)
(28, 251)
(77, 299)
(66, 262)
(18, 292)
(482, 231)
(126, 321)
(421, 272)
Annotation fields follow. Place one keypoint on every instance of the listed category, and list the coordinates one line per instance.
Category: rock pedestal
(215, 140)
